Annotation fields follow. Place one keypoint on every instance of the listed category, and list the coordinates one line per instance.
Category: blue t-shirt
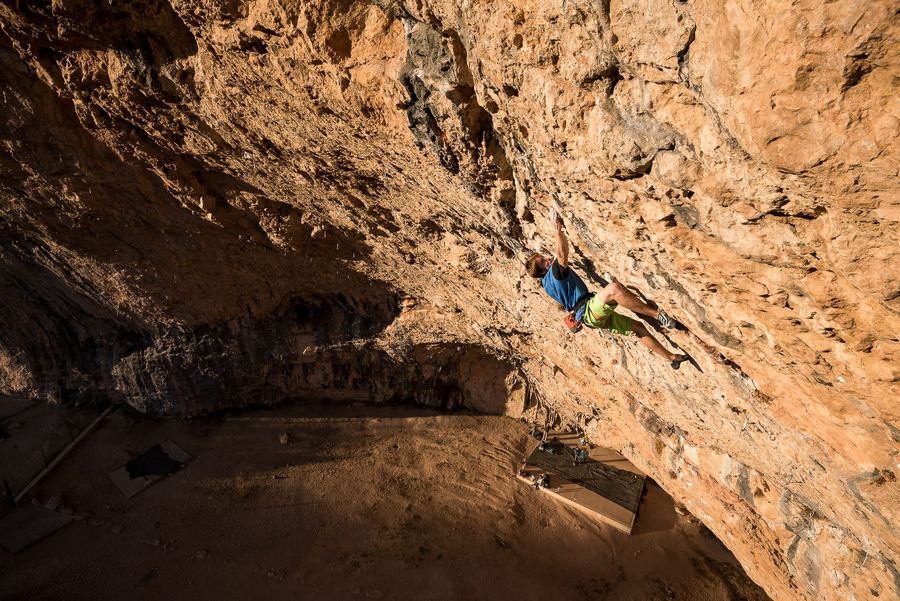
(566, 291)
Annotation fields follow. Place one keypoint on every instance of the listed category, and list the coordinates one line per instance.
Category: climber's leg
(640, 330)
(617, 293)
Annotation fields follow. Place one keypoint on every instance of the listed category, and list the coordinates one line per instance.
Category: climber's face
(546, 263)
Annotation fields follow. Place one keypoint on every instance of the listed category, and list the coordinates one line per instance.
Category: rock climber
(598, 310)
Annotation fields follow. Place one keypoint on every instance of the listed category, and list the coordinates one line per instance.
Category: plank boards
(10, 406)
(28, 524)
(605, 485)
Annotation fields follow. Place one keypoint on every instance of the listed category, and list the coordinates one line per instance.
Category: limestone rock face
(209, 205)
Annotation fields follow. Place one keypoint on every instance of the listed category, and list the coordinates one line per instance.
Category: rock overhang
(180, 183)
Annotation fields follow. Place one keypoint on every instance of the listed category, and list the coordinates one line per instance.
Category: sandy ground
(362, 502)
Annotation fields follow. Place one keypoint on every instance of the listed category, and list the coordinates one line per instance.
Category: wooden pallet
(10, 406)
(27, 524)
(605, 486)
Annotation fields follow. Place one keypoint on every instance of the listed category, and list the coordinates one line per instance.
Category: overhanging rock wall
(210, 204)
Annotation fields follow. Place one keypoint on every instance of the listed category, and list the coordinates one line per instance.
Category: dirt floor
(340, 502)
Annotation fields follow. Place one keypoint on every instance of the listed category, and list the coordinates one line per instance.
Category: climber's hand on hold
(562, 245)
(556, 219)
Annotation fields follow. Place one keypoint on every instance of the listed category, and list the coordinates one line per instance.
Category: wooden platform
(10, 406)
(28, 524)
(605, 485)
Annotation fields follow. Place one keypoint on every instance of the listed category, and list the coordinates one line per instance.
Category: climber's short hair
(534, 267)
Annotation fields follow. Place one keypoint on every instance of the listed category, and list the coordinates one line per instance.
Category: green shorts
(598, 314)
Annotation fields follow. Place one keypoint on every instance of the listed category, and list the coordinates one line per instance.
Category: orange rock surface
(209, 205)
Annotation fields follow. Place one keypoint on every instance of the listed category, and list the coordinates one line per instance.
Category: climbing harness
(574, 325)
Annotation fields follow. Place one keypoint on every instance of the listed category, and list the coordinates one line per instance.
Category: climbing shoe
(666, 321)
(677, 361)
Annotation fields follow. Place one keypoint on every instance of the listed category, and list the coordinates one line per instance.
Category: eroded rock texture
(214, 204)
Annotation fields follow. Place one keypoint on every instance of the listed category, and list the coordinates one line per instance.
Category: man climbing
(598, 310)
